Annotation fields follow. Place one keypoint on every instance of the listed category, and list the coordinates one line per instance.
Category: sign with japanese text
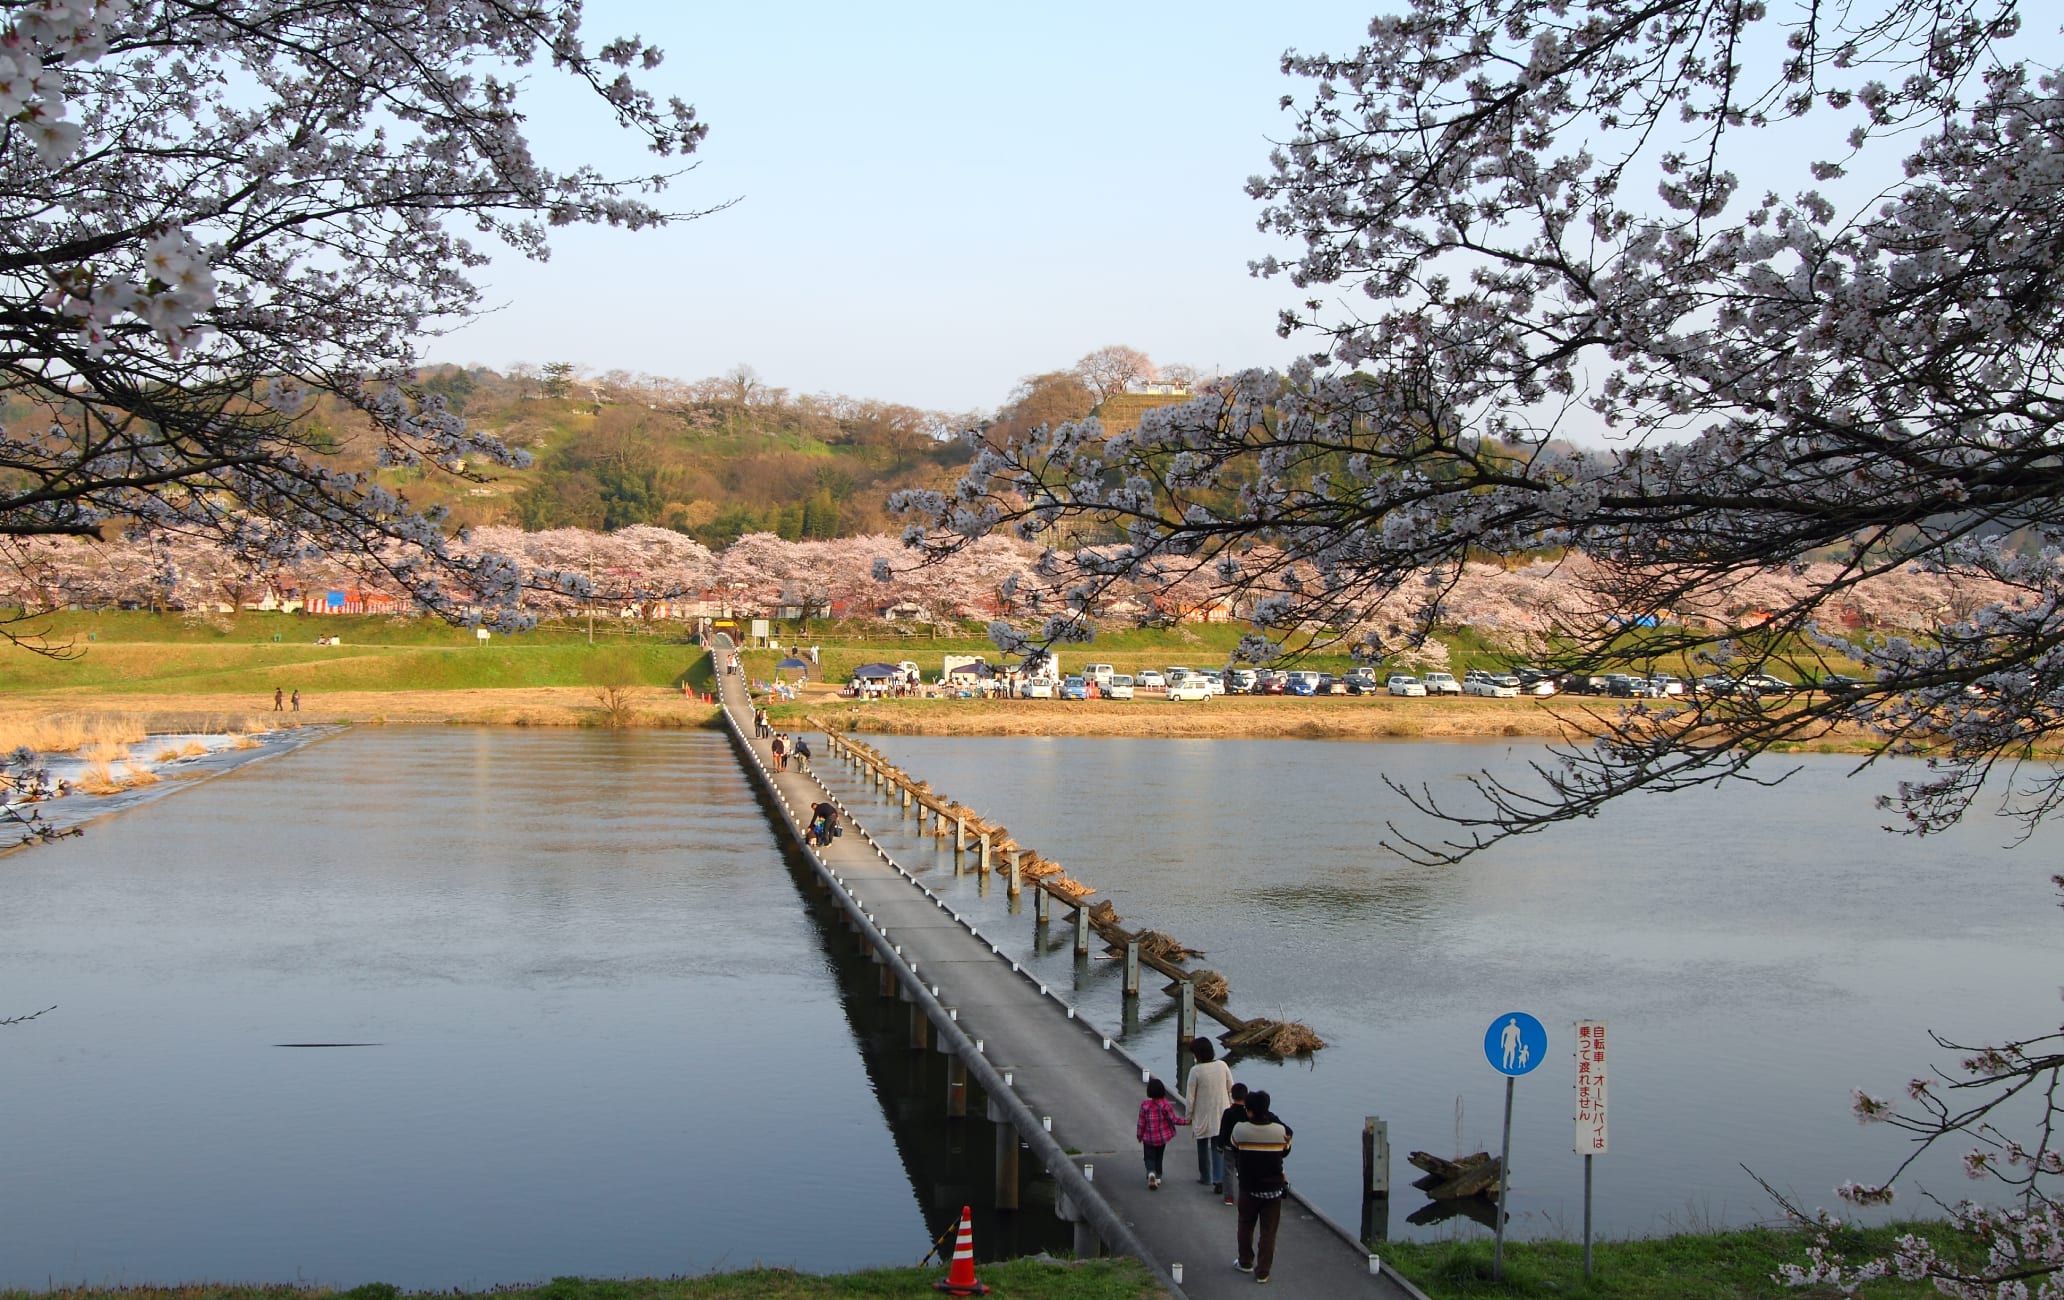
(1590, 1087)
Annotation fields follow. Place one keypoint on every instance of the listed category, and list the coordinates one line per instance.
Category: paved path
(1061, 1068)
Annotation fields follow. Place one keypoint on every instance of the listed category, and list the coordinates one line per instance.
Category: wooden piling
(1082, 929)
(1375, 1180)
(1186, 1015)
(1017, 876)
(920, 1028)
(1132, 965)
(1006, 1166)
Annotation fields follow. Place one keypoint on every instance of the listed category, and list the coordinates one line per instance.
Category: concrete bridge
(1059, 1091)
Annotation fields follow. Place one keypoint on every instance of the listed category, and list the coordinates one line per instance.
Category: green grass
(1022, 1279)
(1734, 1265)
(139, 653)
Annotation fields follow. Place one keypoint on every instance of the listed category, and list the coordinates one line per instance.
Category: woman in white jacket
(1209, 1092)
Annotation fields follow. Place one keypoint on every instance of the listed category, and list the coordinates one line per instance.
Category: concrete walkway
(1062, 1068)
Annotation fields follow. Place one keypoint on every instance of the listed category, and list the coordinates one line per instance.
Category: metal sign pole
(1504, 1187)
(1587, 1217)
(1515, 1044)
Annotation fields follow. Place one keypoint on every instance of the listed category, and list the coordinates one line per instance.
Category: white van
(1101, 674)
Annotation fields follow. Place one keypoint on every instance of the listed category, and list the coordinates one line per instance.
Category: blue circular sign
(1515, 1043)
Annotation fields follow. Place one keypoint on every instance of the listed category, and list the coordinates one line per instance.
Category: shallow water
(1757, 954)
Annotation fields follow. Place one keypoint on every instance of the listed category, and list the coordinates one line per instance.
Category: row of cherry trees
(651, 570)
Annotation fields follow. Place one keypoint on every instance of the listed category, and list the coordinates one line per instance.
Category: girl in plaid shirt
(1156, 1128)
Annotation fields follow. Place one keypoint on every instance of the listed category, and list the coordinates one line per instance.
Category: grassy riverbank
(162, 669)
(1020, 1279)
(1733, 1265)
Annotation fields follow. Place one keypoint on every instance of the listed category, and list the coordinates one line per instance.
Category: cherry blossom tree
(1705, 293)
(213, 212)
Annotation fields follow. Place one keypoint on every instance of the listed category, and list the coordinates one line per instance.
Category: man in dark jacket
(1260, 1143)
(1233, 1114)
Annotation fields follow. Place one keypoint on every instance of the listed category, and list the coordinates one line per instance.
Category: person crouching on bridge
(1156, 1128)
(1259, 1146)
(823, 825)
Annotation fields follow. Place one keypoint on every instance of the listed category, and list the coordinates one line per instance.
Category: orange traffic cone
(960, 1277)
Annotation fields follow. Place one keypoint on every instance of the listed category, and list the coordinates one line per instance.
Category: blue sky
(934, 200)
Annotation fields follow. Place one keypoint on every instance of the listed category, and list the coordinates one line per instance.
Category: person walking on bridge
(1205, 1098)
(1155, 1129)
(799, 750)
(1259, 1145)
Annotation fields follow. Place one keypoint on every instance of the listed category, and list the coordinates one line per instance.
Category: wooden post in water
(1017, 876)
(984, 867)
(1375, 1180)
(959, 832)
(1082, 929)
(1186, 1015)
(920, 1028)
(1132, 965)
(1042, 905)
(956, 1087)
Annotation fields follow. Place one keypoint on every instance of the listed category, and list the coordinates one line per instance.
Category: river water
(1756, 952)
(593, 1029)
(604, 1033)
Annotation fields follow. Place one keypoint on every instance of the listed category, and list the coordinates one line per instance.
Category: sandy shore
(1235, 717)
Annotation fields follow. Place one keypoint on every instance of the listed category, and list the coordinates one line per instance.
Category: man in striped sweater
(1259, 1145)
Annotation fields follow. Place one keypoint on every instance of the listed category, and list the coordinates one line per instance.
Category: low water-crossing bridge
(1060, 1091)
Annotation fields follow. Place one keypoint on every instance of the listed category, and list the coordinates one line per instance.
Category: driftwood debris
(1451, 1180)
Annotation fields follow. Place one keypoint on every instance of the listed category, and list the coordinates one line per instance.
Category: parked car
(1075, 688)
(1039, 688)
(1101, 674)
(1149, 679)
(1627, 686)
(1537, 681)
(1764, 684)
(1176, 673)
(1365, 676)
(1505, 687)
(1441, 684)
(1213, 679)
(1842, 684)
(1301, 683)
(1119, 687)
(1405, 684)
(1665, 684)
(1241, 681)
(1362, 685)
(1328, 684)
(1271, 682)
(1191, 687)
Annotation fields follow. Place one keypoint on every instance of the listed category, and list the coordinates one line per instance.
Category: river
(1757, 953)
(585, 1022)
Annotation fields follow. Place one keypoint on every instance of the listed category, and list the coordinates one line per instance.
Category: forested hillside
(714, 459)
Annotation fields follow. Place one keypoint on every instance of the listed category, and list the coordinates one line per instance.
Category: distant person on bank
(1205, 1098)
(1260, 1143)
